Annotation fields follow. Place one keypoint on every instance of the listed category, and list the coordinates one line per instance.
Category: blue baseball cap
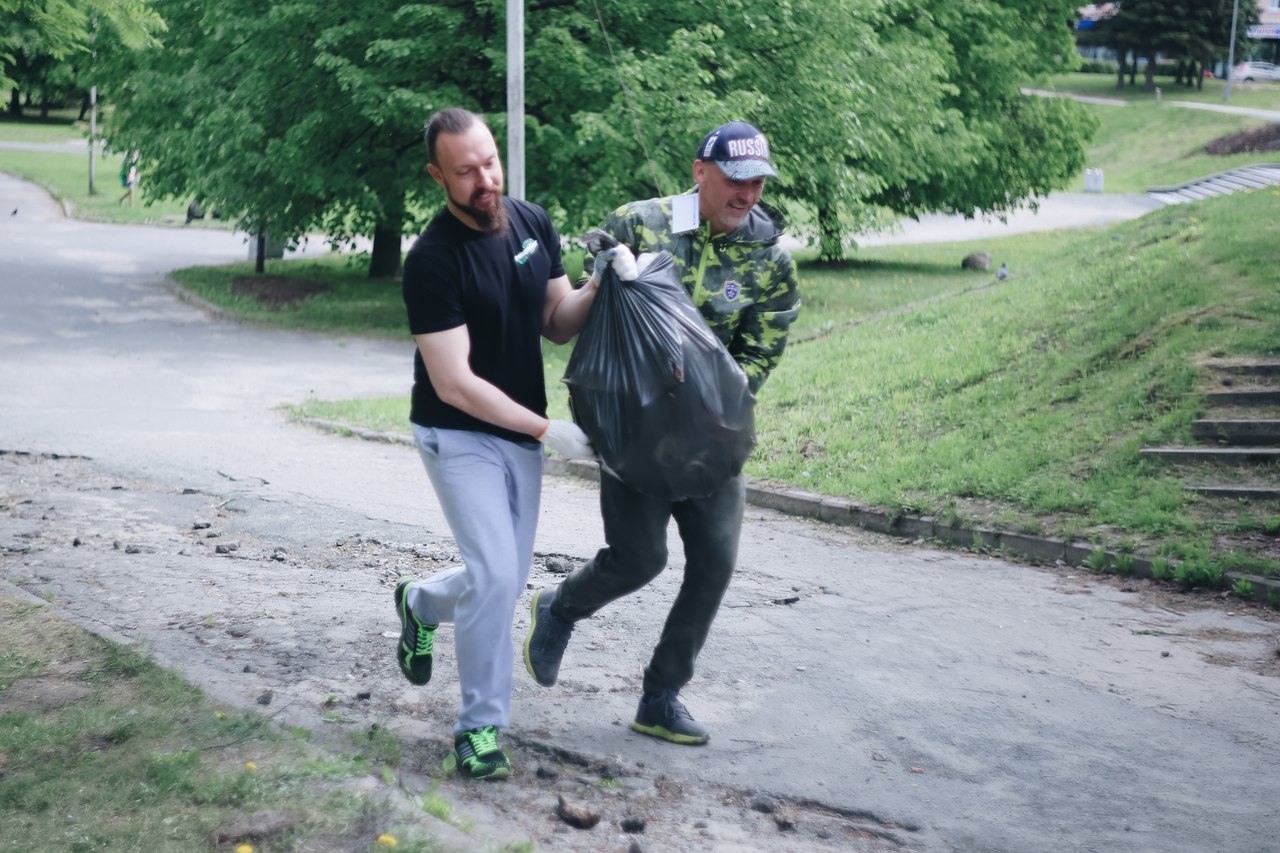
(739, 150)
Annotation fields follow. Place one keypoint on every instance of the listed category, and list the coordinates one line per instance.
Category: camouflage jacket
(744, 283)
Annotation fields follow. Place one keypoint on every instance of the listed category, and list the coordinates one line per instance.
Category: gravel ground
(263, 623)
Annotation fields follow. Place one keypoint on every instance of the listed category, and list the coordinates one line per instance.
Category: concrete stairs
(1240, 437)
(1237, 458)
(1235, 180)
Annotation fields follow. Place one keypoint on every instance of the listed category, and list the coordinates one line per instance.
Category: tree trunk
(15, 103)
(260, 262)
(1120, 62)
(830, 236)
(1179, 72)
(385, 259)
(1149, 77)
(84, 108)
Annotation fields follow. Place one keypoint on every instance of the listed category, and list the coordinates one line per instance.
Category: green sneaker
(476, 755)
(414, 650)
(662, 715)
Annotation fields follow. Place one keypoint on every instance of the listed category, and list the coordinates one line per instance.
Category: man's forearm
(570, 313)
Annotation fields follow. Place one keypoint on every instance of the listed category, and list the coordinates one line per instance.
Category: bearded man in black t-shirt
(483, 285)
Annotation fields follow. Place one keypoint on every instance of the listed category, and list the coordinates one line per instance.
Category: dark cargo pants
(635, 532)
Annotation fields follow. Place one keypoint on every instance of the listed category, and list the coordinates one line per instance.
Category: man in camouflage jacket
(744, 284)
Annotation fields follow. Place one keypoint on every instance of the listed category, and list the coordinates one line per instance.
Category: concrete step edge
(1262, 453)
(1237, 492)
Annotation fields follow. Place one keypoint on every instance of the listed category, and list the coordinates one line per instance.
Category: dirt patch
(1257, 544)
(270, 624)
(277, 292)
(1266, 138)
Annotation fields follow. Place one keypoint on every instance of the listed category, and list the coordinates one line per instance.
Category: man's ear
(699, 172)
(434, 171)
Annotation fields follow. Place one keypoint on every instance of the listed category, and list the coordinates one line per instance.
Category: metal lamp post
(515, 98)
(93, 105)
(1231, 51)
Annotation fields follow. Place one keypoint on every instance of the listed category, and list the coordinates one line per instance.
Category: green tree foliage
(1189, 31)
(294, 116)
(39, 33)
(873, 107)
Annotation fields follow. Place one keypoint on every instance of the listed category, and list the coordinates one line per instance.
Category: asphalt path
(981, 705)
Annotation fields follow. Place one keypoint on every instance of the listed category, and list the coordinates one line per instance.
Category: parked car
(1251, 71)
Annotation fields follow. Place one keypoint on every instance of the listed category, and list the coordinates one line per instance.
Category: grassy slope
(1145, 144)
(1127, 133)
(1035, 394)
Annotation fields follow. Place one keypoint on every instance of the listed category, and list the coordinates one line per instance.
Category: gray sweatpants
(489, 489)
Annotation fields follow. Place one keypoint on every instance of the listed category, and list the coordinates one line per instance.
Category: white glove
(566, 439)
(624, 264)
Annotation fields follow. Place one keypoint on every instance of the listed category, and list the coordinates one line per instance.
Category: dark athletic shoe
(476, 755)
(662, 715)
(414, 650)
(548, 636)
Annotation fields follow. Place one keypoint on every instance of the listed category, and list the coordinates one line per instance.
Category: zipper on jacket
(702, 261)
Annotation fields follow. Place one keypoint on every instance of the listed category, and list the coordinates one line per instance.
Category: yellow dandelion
(387, 840)
(244, 848)
(221, 715)
(250, 766)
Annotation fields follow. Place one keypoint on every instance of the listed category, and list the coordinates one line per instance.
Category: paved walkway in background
(1055, 211)
(69, 146)
(1252, 112)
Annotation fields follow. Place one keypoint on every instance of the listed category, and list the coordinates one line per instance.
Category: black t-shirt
(497, 287)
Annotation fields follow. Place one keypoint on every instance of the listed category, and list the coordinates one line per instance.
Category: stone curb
(183, 295)
(1034, 549)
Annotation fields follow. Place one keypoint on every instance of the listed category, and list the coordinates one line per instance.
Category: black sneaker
(662, 715)
(414, 650)
(476, 755)
(548, 636)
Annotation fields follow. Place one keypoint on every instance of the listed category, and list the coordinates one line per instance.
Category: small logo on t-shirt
(527, 248)
(731, 290)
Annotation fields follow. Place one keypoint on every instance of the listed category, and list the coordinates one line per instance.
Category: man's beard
(492, 219)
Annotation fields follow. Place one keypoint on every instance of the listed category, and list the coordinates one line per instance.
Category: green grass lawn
(66, 177)
(1262, 96)
(1127, 136)
(1144, 144)
(143, 761)
(65, 174)
(59, 127)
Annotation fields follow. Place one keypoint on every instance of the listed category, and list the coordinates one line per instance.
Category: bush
(1098, 66)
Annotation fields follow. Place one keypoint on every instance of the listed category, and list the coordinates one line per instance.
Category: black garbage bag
(664, 404)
